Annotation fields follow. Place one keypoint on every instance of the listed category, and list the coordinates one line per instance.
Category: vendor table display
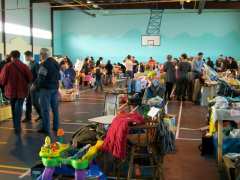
(127, 134)
(208, 91)
(219, 115)
(121, 82)
(113, 100)
(208, 87)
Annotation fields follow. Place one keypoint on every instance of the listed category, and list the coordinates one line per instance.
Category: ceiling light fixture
(89, 2)
(95, 6)
(188, 1)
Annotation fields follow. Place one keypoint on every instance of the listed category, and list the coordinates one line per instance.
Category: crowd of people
(38, 84)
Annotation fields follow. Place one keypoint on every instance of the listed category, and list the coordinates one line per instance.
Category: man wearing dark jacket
(33, 96)
(16, 77)
(169, 68)
(109, 69)
(48, 84)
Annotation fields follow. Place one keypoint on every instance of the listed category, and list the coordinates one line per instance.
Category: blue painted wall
(116, 33)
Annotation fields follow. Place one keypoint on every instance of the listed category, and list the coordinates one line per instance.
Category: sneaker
(26, 120)
(42, 131)
(38, 119)
(55, 130)
(17, 131)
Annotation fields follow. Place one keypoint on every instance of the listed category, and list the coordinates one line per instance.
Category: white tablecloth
(225, 114)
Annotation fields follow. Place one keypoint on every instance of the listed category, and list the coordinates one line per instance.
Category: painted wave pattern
(116, 48)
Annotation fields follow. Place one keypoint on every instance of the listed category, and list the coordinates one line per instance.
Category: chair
(143, 146)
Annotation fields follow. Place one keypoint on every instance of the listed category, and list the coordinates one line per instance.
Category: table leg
(220, 142)
(105, 98)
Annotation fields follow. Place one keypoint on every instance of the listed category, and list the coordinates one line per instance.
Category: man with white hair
(48, 84)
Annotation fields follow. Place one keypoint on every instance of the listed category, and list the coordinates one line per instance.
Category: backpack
(86, 135)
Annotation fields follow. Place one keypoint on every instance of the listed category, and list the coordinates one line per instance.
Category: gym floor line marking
(69, 132)
(14, 167)
(81, 112)
(27, 173)
(92, 96)
(79, 123)
(190, 129)
(90, 99)
(179, 120)
(33, 130)
(91, 103)
(84, 91)
(8, 128)
(10, 172)
(189, 139)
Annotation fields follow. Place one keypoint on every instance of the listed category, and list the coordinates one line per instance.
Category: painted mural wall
(116, 33)
(42, 24)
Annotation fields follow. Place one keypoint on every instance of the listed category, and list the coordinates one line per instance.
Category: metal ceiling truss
(154, 23)
(62, 2)
(142, 4)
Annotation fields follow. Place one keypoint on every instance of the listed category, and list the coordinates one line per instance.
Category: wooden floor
(19, 154)
(187, 163)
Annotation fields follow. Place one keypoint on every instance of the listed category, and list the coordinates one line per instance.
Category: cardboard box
(67, 95)
(5, 112)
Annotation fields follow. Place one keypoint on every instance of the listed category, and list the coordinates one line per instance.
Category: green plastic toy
(54, 154)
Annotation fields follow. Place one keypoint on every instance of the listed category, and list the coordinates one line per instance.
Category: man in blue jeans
(33, 96)
(48, 84)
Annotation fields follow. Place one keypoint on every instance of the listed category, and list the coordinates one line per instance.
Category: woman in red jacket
(16, 77)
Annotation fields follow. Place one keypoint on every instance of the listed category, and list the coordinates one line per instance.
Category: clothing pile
(156, 89)
(136, 85)
(156, 102)
(224, 89)
(116, 138)
(165, 139)
(210, 74)
(220, 102)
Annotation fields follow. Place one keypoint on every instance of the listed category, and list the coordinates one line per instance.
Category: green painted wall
(116, 33)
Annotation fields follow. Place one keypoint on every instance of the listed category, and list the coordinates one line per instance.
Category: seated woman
(69, 74)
